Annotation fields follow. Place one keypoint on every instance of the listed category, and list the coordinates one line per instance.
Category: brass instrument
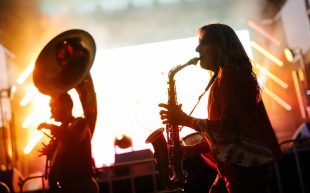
(64, 64)
(168, 155)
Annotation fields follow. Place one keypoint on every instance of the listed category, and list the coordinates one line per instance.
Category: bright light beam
(263, 32)
(34, 140)
(29, 120)
(277, 99)
(271, 76)
(263, 51)
(31, 91)
(21, 79)
(298, 93)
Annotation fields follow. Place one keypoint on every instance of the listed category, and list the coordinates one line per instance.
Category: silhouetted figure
(239, 140)
(69, 151)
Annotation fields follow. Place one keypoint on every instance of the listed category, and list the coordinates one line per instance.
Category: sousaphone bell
(65, 63)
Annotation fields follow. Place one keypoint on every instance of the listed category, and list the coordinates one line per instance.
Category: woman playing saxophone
(239, 136)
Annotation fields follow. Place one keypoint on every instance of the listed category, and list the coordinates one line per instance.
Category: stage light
(264, 33)
(294, 55)
(21, 79)
(299, 94)
(289, 54)
(278, 99)
(30, 93)
(273, 77)
(266, 53)
(37, 135)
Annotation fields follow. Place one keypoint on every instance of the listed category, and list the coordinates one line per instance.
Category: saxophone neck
(176, 69)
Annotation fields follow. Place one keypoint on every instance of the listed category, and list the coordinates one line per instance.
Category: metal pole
(4, 133)
(299, 171)
(298, 165)
(279, 181)
(304, 83)
(11, 96)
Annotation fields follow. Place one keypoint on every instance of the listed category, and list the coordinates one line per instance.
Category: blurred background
(138, 42)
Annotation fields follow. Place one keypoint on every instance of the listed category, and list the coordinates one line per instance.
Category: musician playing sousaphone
(69, 151)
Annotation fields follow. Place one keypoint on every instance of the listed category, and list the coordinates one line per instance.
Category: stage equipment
(10, 179)
(193, 139)
(64, 64)
(124, 142)
(168, 154)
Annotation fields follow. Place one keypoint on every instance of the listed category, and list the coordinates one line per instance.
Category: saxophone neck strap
(206, 89)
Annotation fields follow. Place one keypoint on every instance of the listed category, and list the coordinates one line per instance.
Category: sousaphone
(65, 63)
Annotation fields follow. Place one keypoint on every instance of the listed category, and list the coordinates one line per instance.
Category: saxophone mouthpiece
(194, 60)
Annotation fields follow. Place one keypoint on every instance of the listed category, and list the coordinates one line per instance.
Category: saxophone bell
(159, 143)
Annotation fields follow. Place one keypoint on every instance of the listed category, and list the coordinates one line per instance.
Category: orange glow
(41, 113)
(21, 79)
(279, 100)
(263, 32)
(298, 93)
(301, 75)
(262, 78)
(288, 53)
(129, 89)
(31, 91)
(27, 122)
(36, 136)
(13, 91)
(266, 53)
(271, 76)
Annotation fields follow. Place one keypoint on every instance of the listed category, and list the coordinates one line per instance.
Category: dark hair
(229, 44)
(232, 57)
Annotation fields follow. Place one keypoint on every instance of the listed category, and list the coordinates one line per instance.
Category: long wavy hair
(233, 60)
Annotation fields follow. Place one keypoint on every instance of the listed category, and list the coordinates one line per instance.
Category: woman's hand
(174, 115)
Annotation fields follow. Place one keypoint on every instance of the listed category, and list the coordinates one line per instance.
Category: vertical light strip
(299, 95)
(266, 53)
(264, 33)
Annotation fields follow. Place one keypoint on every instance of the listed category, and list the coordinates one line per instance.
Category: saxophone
(168, 155)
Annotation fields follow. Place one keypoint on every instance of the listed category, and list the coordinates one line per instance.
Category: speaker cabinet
(133, 172)
(11, 178)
